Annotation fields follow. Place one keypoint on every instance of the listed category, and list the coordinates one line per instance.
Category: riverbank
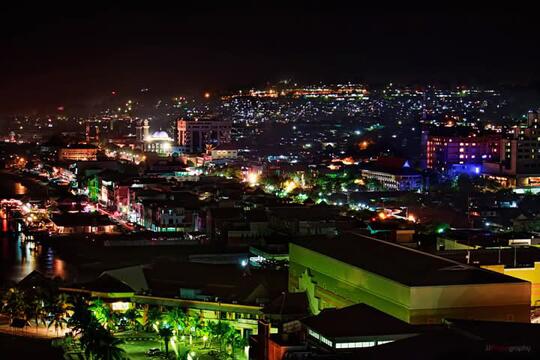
(34, 188)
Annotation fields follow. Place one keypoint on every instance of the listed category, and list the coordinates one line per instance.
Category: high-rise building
(445, 151)
(92, 131)
(195, 134)
(519, 164)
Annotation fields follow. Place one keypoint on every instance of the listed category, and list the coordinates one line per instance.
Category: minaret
(146, 129)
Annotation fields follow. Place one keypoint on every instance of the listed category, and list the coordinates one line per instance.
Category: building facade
(519, 164)
(78, 152)
(419, 288)
(442, 152)
(194, 135)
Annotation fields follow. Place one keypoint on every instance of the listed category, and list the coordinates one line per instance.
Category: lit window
(313, 334)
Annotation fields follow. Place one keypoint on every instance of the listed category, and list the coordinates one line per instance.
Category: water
(18, 258)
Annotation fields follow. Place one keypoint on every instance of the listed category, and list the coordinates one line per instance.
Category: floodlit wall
(531, 275)
(332, 283)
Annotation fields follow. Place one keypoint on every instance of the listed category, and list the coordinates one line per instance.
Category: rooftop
(409, 266)
(106, 284)
(356, 321)
(81, 219)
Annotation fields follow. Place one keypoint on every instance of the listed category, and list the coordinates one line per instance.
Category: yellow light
(207, 95)
(289, 186)
(411, 218)
(252, 178)
(382, 216)
(120, 306)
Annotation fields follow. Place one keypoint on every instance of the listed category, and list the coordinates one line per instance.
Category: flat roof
(404, 265)
(357, 321)
(522, 256)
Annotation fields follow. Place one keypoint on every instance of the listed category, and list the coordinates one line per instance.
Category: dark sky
(61, 56)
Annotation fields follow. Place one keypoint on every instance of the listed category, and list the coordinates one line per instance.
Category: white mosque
(158, 142)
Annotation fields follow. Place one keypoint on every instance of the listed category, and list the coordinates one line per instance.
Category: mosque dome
(160, 135)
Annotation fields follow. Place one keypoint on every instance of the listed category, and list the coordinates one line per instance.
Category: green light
(442, 228)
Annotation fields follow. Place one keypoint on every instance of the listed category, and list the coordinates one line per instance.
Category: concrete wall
(332, 283)
(531, 275)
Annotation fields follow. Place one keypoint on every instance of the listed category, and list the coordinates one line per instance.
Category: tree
(13, 304)
(81, 317)
(100, 344)
(219, 330)
(102, 313)
(235, 340)
(109, 348)
(134, 318)
(153, 317)
(193, 326)
(37, 310)
(57, 310)
(177, 319)
(166, 333)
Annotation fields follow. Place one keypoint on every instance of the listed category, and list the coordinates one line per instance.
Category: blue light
(477, 170)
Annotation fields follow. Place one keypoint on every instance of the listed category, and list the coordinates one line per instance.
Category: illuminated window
(352, 345)
(326, 341)
(313, 334)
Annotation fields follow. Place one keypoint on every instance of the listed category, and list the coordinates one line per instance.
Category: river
(19, 258)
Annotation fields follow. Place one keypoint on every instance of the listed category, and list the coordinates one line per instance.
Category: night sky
(60, 56)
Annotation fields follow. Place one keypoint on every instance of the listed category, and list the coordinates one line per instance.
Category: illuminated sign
(120, 306)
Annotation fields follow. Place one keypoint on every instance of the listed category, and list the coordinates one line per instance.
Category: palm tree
(153, 317)
(101, 312)
(81, 316)
(36, 310)
(194, 325)
(134, 317)
(13, 303)
(58, 312)
(100, 344)
(236, 341)
(219, 330)
(177, 319)
(166, 334)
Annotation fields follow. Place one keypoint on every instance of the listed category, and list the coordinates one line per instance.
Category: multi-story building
(224, 152)
(418, 288)
(519, 164)
(445, 151)
(195, 134)
(78, 152)
(393, 174)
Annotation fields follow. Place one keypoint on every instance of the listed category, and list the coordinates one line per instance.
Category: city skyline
(56, 56)
(281, 181)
